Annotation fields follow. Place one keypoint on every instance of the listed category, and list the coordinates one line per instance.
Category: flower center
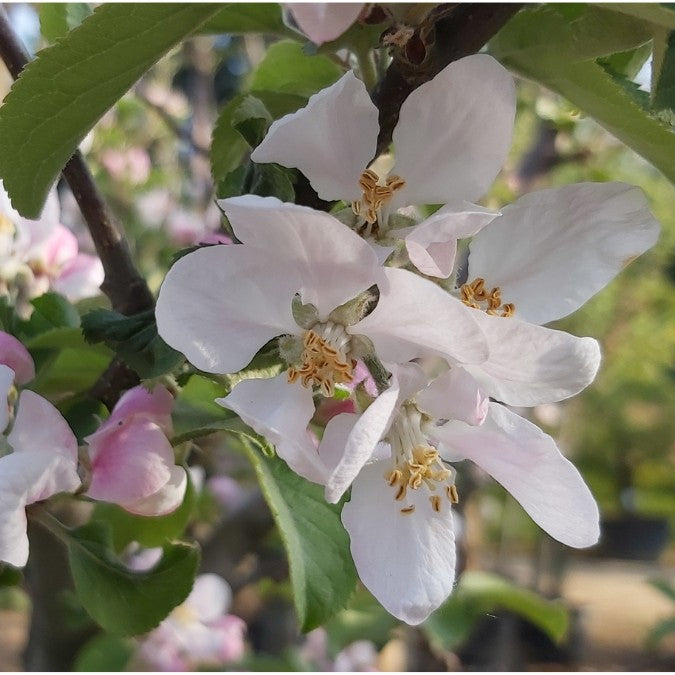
(375, 195)
(324, 360)
(475, 295)
(417, 464)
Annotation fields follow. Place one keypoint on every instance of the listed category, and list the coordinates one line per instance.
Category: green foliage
(148, 531)
(121, 601)
(479, 593)
(249, 17)
(661, 14)
(134, 339)
(10, 576)
(541, 43)
(56, 19)
(663, 75)
(322, 571)
(104, 653)
(67, 88)
(251, 119)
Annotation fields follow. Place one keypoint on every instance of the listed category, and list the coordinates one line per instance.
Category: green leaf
(251, 119)
(70, 370)
(104, 653)
(272, 180)
(665, 587)
(10, 576)
(540, 44)
(146, 530)
(658, 13)
(627, 63)
(663, 87)
(134, 338)
(479, 593)
(249, 17)
(70, 85)
(661, 630)
(121, 601)
(287, 69)
(52, 311)
(322, 571)
(227, 144)
(56, 19)
(195, 405)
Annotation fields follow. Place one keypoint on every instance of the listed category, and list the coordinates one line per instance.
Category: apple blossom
(220, 304)
(401, 500)
(450, 142)
(132, 461)
(197, 633)
(324, 21)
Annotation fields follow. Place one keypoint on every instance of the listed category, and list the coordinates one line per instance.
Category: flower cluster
(342, 291)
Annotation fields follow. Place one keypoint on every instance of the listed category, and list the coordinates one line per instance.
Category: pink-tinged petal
(333, 262)
(553, 249)
(130, 460)
(230, 631)
(166, 500)
(331, 140)
(220, 304)
(280, 411)
(454, 133)
(526, 461)
(406, 560)
(360, 657)
(40, 427)
(454, 395)
(6, 383)
(210, 598)
(324, 21)
(60, 248)
(529, 364)
(156, 405)
(80, 278)
(16, 356)
(13, 537)
(432, 245)
(416, 318)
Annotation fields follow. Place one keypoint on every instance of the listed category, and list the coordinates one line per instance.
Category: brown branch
(123, 284)
(461, 30)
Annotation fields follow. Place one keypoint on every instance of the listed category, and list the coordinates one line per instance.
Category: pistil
(375, 196)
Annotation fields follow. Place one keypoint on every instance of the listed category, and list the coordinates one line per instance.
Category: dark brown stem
(461, 31)
(123, 284)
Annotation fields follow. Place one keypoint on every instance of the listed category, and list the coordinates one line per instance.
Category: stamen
(435, 503)
(408, 509)
(375, 196)
(475, 296)
(451, 492)
(323, 364)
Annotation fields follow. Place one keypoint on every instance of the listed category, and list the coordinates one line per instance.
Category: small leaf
(52, 311)
(251, 119)
(663, 90)
(227, 144)
(249, 17)
(57, 18)
(104, 653)
(70, 85)
(287, 69)
(661, 14)
(121, 601)
(134, 338)
(322, 571)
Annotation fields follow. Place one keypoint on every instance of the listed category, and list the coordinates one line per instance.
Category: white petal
(333, 263)
(454, 133)
(554, 249)
(6, 382)
(324, 21)
(13, 537)
(529, 364)
(528, 464)
(331, 140)
(415, 318)
(166, 500)
(220, 304)
(454, 395)
(280, 411)
(363, 438)
(210, 597)
(407, 561)
(40, 427)
(432, 245)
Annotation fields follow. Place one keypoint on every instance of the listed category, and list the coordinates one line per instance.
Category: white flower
(399, 517)
(221, 304)
(450, 142)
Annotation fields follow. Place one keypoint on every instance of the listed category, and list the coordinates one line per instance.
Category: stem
(366, 67)
(39, 514)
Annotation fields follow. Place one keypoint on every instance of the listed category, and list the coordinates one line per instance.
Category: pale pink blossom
(132, 460)
(324, 21)
(16, 356)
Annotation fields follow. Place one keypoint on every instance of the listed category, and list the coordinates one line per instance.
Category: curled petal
(526, 461)
(324, 21)
(553, 249)
(406, 560)
(529, 364)
(280, 411)
(331, 140)
(16, 356)
(167, 499)
(454, 133)
(220, 304)
(156, 405)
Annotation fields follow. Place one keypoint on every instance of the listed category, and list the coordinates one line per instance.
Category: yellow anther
(375, 196)
(475, 296)
(322, 365)
(408, 509)
(435, 503)
(451, 492)
(394, 477)
(401, 493)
